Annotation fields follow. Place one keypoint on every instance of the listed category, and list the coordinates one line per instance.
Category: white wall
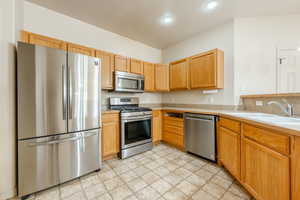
(255, 43)
(220, 37)
(10, 24)
(43, 21)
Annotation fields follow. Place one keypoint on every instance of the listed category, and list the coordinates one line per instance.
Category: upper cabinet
(149, 73)
(122, 63)
(202, 71)
(75, 48)
(179, 76)
(136, 66)
(107, 69)
(162, 78)
(207, 70)
(32, 38)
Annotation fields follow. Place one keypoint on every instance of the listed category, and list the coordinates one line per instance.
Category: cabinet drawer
(173, 121)
(109, 117)
(230, 124)
(173, 129)
(173, 139)
(269, 138)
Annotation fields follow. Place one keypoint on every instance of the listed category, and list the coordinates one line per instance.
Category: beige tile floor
(163, 173)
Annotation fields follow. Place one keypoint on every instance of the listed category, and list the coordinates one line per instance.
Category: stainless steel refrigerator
(58, 116)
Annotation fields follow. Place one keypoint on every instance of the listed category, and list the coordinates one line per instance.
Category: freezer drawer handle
(54, 141)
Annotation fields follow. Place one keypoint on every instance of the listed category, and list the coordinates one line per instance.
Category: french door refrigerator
(58, 116)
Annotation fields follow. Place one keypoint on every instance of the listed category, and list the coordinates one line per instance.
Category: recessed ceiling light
(166, 19)
(298, 49)
(210, 5)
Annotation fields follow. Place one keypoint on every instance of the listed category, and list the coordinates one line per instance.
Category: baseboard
(109, 157)
(8, 194)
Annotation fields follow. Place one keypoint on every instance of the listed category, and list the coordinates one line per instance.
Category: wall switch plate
(259, 103)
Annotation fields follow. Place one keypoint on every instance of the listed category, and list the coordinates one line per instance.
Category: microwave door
(127, 84)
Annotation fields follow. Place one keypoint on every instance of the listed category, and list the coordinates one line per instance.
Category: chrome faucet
(289, 110)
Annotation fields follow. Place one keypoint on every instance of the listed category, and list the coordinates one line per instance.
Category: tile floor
(163, 173)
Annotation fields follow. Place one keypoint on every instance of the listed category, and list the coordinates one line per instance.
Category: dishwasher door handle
(198, 119)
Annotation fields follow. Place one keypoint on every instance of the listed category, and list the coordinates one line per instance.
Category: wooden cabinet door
(136, 66)
(230, 151)
(45, 41)
(162, 78)
(149, 73)
(179, 75)
(110, 135)
(157, 126)
(75, 48)
(206, 70)
(122, 63)
(107, 69)
(265, 173)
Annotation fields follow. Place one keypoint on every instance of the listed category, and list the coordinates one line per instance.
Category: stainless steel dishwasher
(200, 135)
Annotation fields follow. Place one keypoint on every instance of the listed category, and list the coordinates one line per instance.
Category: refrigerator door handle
(70, 93)
(34, 144)
(64, 92)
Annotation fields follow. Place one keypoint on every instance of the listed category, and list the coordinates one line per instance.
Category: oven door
(136, 131)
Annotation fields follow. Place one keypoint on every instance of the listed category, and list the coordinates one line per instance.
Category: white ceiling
(139, 19)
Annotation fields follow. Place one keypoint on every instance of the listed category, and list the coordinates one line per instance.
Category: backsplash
(145, 98)
(249, 104)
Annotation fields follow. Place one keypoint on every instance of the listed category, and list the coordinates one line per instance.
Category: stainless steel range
(136, 126)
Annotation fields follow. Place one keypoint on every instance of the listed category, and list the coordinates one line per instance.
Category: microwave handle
(141, 85)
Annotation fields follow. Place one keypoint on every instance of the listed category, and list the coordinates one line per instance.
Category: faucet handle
(290, 109)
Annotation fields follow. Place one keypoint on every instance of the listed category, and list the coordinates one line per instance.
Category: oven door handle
(136, 119)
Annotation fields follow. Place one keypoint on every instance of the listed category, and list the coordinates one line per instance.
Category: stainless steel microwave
(128, 82)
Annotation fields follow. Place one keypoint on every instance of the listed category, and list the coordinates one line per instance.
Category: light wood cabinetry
(207, 70)
(33, 38)
(162, 78)
(110, 135)
(265, 173)
(156, 126)
(75, 48)
(173, 129)
(271, 139)
(295, 168)
(149, 73)
(202, 71)
(136, 66)
(122, 63)
(264, 160)
(179, 75)
(230, 150)
(107, 69)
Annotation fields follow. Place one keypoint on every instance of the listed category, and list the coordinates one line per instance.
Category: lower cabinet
(260, 159)
(173, 131)
(156, 126)
(110, 135)
(230, 151)
(265, 173)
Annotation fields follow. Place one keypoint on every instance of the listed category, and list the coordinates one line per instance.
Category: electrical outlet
(259, 103)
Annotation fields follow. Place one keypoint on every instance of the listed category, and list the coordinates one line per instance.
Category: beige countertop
(108, 111)
(289, 125)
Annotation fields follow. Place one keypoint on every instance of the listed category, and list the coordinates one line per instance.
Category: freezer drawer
(200, 135)
(48, 161)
